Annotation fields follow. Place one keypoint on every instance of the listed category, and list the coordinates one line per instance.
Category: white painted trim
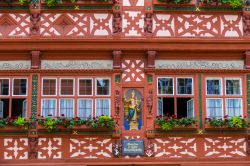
(26, 85)
(92, 110)
(2, 78)
(109, 105)
(41, 113)
(173, 87)
(221, 85)
(241, 111)
(231, 78)
(109, 86)
(48, 78)
(59, 110)
(222, 106)
(177, 86)
(78, 86)
(66, 78)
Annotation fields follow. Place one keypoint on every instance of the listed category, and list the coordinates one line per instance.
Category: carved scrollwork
(35, 27)
(148, 26)
(117, 23)
(246, 25)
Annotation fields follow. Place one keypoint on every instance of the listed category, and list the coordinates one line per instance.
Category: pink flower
(62, 114)
(50, 115)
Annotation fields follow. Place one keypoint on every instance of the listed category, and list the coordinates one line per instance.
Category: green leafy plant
(169, 122)
(101, 121)
(49, 123)
(232, 122)
(175, 1)
(20, 122)
(231, 3)
(3, 122)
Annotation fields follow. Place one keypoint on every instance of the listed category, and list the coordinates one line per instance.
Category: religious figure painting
(132, 110)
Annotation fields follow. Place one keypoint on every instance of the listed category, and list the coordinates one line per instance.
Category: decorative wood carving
(247, 59)
(248, 145)
(35, 23)
(117, 23)
(116, 149)
(151, 58)
(117, 102)
(150, 149)
(35, 59)
(150, 101)
(148, 25)
(117, 59)
(246, 25)
(33, 141)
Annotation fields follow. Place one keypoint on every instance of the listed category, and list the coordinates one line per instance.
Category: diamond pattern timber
(133, 70)
(14, 25)
(90, 147)
(225, 147)
(100, 24)
(231, 26)
(163, 25)
(49, 148)
(15, 148)
(175, 147)
(133, 23)
(197, 25)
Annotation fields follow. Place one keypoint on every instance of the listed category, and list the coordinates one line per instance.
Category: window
(67, 86)
(67, 107)
(4, 87)
(180, 102)
(102, 107)
(49, 107)
(20, 87)
(102, 87)
(92, 97)
(85, 87)
(85, 108)
(13, 104)
(219, 103)
(49, 87)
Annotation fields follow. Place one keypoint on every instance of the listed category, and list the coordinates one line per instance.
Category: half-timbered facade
(132, 60)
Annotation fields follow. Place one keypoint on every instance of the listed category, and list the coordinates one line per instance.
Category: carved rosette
(116, 149)
(150, 149)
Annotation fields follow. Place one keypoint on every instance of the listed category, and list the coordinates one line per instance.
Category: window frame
(59, 107)
(221, 85)
(78, 86)
(241, 110)
(4, 78)
(97, 78)
(176, 92)
(60, 86)
(222, 107)
(42, 106)
(158, 86)
(49, 78)
(12, 89)
(109, 105)
(92, 106)
(225, 86)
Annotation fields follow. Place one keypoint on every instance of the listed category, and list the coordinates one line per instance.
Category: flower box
(218, 4)
(208, 127)
(157, 127)
(13, 129)
(170, 3)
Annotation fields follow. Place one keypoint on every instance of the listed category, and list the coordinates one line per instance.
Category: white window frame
(96, 86)
(18, 78)
(173, 87)
(59, 110)
(241, 111)
(9, 86)
(73, 85)
(41, 113)
(221, 86)
(92, 110)
(78, 86)
(176, 86)
(222, 106)
(225, 86)
(109, 105)
(48, 78)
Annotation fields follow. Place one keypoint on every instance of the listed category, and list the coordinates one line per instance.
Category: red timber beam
(126, 44)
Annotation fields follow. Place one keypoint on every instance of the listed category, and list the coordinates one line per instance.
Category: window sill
(12, 129)
(157, 127)
(208, 127)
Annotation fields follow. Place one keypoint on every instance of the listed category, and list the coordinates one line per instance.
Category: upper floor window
(175, 96)
(13, 97)
(221, 102)
(81, 97)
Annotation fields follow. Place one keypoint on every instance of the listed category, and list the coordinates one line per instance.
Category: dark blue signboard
(132, 147)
